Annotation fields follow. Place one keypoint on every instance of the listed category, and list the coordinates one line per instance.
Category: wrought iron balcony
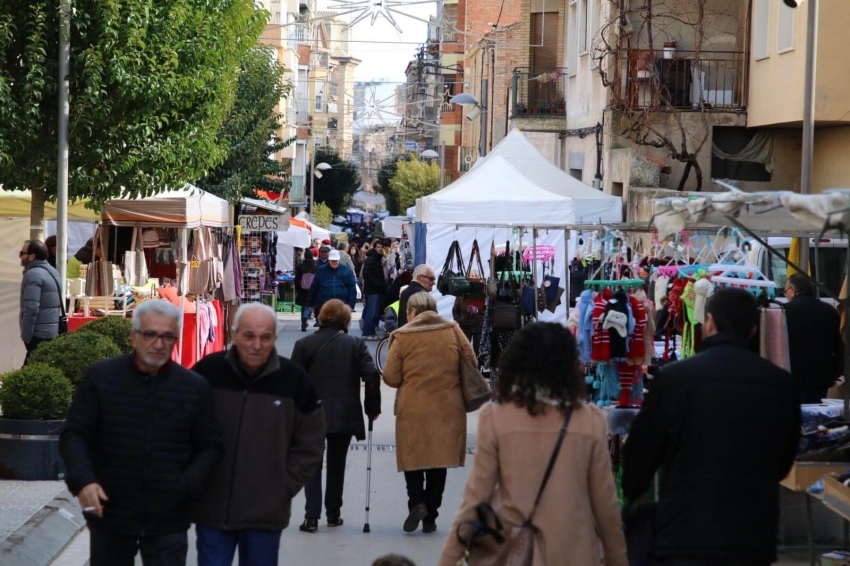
(297, 194)
(682, 80)
(298, 33)
(538, 92)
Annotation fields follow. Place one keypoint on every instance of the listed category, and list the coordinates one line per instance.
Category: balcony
(538, 92)
(297, 195)
(682, 80)
(298, 34)
(466, 158)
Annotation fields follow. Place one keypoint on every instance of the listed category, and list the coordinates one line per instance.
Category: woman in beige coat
(423, 364)
(578, 514)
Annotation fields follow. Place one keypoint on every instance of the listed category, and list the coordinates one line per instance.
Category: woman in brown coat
(578, 515)
(423, 364)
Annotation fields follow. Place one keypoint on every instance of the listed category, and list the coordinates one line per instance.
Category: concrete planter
(29, 450)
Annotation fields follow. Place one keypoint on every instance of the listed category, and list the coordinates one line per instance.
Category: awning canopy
(17, 204)
(315, 231)
(189, 207)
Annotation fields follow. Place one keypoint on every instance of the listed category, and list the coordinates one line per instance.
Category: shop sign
(261, 222)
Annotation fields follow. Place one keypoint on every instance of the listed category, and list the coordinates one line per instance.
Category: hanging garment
(661, 288)
(649, 329)
(228, 284)
(689, 298)
(637, 338)
(600, 342)
(627, 375)
(585, 325)
(203, 310)
(773, 337)
(617, 323)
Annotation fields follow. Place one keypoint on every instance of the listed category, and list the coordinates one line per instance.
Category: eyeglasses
(150, 337)
(22, 254)
(428, 277)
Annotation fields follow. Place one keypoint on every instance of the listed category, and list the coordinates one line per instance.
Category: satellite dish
(467, 159)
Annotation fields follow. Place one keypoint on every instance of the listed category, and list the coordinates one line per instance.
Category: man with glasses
(274, 439)
(40, 308)
(423, 281)
(139, 443)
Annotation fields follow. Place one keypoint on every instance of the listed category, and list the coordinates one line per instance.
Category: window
(761, 25)
(595, 23)
(785, 41)
(582, 28)
(738, 140)
(571, 41)
(320, 96)
(319, 139)
(576, 173)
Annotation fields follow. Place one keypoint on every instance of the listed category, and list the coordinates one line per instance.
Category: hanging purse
(451, 282)
(492, 282)
(475, 389)
(477, 285)
(100, 281)
(200, 266)
(489, 543)
(506, 316)
(135, 265)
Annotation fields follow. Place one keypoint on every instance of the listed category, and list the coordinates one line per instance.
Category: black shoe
(416, 515)
(429, 527)
(309, 526)
(316, 325)
(335, 521)
(303, 326)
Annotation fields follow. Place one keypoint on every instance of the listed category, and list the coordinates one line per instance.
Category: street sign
(261, 222)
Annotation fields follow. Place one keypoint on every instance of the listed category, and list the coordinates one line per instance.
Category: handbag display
(100, 281)
(475, 389)
(490, 543)
(135, 265)
(506, 316)
(451, 282)
(477, 285)
(492, 282)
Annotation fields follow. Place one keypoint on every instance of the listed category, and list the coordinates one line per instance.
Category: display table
(192, 350)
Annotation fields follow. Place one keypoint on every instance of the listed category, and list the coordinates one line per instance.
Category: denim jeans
(257, 547)
(305, 313)
(371, 315)
(114, 549)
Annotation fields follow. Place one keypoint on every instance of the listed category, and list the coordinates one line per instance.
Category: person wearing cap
(324, 251)
(333, 281)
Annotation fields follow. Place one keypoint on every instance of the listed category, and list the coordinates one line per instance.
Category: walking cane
(366, 528)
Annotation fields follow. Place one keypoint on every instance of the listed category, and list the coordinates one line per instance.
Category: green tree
(323, 216)
(338, 183)
(251, 131)
(414, 179)
(151, 83)
(387, 172)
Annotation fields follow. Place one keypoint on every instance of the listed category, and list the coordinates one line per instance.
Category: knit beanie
(703, 289)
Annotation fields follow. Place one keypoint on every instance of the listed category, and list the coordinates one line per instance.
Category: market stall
(180, 246)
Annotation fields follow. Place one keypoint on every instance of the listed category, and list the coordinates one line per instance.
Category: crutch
(366, 528)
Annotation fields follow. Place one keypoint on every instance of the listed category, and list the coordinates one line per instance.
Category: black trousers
(337, 452)
(474, 339)
(32, 345)
(114, 549)
(426, 486)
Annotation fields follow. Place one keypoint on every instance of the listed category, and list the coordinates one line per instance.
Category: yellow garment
(73, 268)
(238, 229)
(794, 257)
(395, 307)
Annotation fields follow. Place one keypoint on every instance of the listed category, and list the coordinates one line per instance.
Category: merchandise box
(804, 474)
(836, 495)
(839, 558)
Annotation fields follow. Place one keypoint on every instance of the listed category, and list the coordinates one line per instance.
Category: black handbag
(451, 282)
(477, 284)
(506, 316)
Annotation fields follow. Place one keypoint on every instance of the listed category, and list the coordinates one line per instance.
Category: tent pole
(567, 260)
(534, 270)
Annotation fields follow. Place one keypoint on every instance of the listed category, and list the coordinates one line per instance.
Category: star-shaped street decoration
(373, 9)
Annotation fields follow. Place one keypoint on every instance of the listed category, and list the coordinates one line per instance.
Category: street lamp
(430, 154)
(317, 174)
(466, 99)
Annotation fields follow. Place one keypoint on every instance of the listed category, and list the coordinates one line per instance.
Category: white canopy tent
(515, 186)
(189, 207)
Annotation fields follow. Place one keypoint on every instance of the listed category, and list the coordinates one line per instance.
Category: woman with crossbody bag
(541, 491)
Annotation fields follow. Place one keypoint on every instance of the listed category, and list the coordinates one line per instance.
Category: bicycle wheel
(381, 354)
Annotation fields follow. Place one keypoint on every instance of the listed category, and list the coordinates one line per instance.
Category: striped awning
(189, 207)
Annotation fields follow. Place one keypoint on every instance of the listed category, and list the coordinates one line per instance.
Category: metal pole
(312, 175)
(809, 116)
(482, 151)
(442, 164)
(62, 168)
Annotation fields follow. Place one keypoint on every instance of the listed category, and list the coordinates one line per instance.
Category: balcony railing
(466, 158)
(682, 80)
(297, 196)
(298, 33)
(538, 92)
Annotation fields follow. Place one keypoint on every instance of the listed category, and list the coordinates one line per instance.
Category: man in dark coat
(333, 281)
(423, 281)
(140, 442)
(814, 339)
(719, 500)
(274, 434)
(41, 302)
(374, 287)
(336, 363)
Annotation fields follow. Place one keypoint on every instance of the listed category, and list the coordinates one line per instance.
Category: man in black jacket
(274, 438)
(814, 339)
(723, 427)
(139, 442)
(423, 281)
(374, 287)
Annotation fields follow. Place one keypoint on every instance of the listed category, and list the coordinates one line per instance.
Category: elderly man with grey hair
(423, 282)
(274, 439)
(139, 443)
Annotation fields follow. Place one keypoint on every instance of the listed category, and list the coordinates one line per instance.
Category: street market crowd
(152, 447)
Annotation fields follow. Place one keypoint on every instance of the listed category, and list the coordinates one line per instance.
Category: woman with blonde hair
(423, 363)
(540, 391)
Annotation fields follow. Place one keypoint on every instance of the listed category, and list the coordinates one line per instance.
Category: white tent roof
(516, 185)
(189, 207)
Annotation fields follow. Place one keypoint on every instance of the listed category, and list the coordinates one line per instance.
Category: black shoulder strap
(58, 290)
(552, 460)
(319, 351)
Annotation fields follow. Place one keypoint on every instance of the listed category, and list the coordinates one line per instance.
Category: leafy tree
(322, 216)
(151, 84)
(338, 183)
(249, 127)
(387, 172)
(414, 179)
